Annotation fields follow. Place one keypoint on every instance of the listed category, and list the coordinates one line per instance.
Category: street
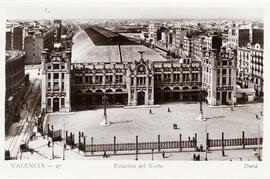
(19, 132)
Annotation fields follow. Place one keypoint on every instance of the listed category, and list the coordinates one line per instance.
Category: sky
(139, 10)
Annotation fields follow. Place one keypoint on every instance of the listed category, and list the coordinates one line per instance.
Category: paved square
(127, 123)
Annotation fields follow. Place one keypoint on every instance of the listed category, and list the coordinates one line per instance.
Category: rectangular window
(150, 80)
(108, 78)
(62, 86)
(218, 96)
(218, 81)
(56, 76)
(55, 86)
(230, 95)
(224, 71)
(63, 76)
(90, 79)
(49, 102)
(218, 71)
(230, 72)
(49, 76)
(55, 66)
(62, 101)
(224, 81)
(230, 80)
(49, 67)
(49, 85)
(132, 81)
(224, 63)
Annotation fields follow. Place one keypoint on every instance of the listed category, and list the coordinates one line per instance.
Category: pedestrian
(150, 111)
(223, 153)
(255, 152)
(240, 159)
(49, 143)
(194, 157)
(232, 108)
(257, 117)
(198, 157)
(201, 147)
(169, 110)
(188, 138)
(163, 154)
(104, 154)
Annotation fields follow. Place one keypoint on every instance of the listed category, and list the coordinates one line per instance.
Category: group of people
(196, 157)
(199, 149)
(150, 111)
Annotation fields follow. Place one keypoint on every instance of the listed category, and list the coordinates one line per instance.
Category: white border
(173, 169)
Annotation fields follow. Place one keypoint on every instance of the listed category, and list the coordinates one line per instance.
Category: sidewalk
(20, 131)
(42, 152)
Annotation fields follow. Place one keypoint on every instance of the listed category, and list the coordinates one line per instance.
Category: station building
(102, 62)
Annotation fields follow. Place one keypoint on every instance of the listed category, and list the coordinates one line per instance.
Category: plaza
(127, 123)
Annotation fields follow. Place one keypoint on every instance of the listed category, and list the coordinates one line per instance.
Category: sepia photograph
(152, 83)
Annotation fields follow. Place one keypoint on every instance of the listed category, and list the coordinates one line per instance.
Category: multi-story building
(180, 33)
(8, 40)
(15, 85)
(18, 36)
(256, 54)
(239, 36)
(188, 45)
(219, 76)
(55, 72)
(250, 62)
(106, 63)
(35, 43)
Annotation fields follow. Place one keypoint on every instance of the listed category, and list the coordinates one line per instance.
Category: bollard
(207, 142)
(137, 150)
(158, 143)
(79, 142)
(195, 141)
(180, 142)
(84, 144)
(92, 143)
(243, 139)
(114, 145)
(222, 143)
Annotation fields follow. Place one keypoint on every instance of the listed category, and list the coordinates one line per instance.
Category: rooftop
(98, 45)
(13, 55)
(101, 37)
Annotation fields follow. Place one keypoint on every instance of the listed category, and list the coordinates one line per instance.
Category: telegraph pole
(64, 142)
(258, 141)
(206, 141)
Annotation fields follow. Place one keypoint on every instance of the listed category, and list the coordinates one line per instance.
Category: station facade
(126, 73)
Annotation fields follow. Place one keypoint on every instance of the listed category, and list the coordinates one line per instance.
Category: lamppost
(201, 117)
(105, 122)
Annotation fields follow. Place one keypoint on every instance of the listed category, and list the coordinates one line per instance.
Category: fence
(70, 139)
(233, 142)
(151, 146)
(54, 135)
(137, 145)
